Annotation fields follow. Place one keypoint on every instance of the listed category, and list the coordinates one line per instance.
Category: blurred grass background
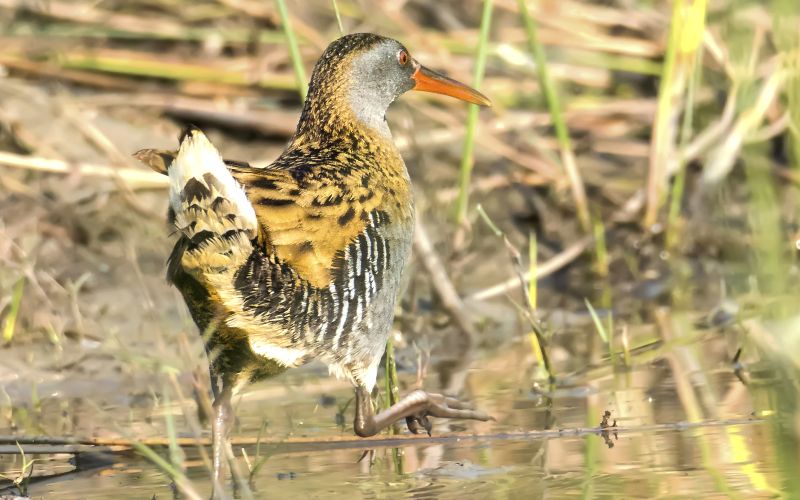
(641, 158)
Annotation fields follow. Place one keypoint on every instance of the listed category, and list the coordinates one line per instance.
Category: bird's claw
(440, 406)
(417, 422)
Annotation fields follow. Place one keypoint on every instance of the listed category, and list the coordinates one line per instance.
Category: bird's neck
(345, 115)
(334, 126)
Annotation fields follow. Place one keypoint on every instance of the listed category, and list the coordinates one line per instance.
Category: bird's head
(364, 73)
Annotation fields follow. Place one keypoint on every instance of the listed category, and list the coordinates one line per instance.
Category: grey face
(377, 77)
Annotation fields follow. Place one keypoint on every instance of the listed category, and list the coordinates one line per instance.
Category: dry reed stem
(721, 160)
(49, 70)
(441, 283)
(88, 14)
(135, 178)
(100, 141)
(543, 269)
(304, 444)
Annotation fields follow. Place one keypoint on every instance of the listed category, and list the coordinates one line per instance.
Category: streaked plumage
(302, 259)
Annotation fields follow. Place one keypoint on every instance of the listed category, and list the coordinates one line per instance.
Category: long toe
(415, 408)
(457, 404)
(442, 411)
(443, 406)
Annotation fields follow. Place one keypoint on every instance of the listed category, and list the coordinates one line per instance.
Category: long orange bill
(431, 81)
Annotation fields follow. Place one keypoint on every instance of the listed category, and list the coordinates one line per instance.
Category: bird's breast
(336, 237)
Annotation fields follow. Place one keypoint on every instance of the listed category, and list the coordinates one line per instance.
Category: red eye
(402, 56)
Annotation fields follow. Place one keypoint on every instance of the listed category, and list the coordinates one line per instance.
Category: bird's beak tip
(427, 80)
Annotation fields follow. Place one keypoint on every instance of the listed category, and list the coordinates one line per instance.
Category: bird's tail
(211, 209)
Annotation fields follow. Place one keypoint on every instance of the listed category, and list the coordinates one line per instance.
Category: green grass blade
(391, 385)
(338, 17)
(175, 452)
(600, 249)
(787, 38)
(467, 158)
(556, 114)
(685, 36)
(489, 222)
(181, 481)
(676, 193)
(170, 70)
(294, 51)
(533, 263)
(596, 320)
(13, 311)
(392, 391)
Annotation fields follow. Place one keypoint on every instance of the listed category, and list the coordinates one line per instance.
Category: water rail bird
(302, 259)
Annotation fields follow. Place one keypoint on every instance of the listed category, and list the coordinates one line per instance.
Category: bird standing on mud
(302, 259)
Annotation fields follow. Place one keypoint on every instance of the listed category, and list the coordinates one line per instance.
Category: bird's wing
(307, 225)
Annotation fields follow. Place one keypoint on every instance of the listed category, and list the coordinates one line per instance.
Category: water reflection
(678, 431)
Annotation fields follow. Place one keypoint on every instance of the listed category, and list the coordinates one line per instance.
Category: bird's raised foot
(440, 406)
(415, 408)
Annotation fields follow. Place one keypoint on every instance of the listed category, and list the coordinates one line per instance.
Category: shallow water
(718, 438)
(640, 465)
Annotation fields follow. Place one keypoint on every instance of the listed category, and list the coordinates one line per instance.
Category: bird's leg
(220, 428)
(416, 407)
